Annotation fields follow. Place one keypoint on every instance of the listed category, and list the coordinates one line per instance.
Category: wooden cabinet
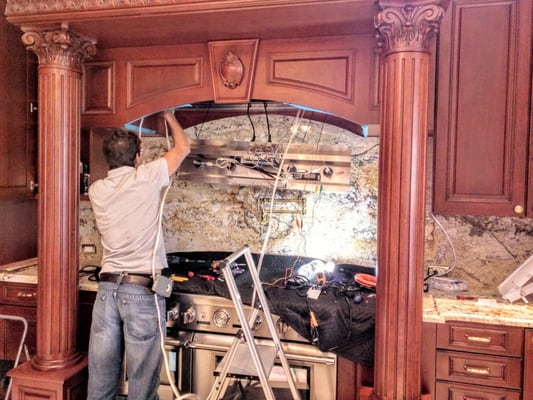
(18, 114)
(18, 146)
(91, 154)
(483, 107)
(528, 364)
(478, 361)
(85, 315)
(17, 299)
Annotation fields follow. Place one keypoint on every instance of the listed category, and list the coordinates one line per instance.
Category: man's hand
(181, 148)
(168, 115)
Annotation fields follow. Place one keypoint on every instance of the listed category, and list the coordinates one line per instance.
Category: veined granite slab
(24, 271)
(437, 307)
(488, 310)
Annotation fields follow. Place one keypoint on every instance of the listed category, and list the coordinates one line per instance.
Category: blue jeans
(125, 323)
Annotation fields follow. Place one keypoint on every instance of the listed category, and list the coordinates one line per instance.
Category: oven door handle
(288, 356)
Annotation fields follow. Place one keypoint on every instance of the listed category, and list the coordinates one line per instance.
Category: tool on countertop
(177, 278)
(314, 327)
(205, 277)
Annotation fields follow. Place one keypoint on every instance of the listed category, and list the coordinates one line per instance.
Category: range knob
(173, 312)
(258, 321)
(189, 315)
(221, 318)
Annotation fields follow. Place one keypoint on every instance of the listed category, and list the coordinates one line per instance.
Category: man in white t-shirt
(125, 322)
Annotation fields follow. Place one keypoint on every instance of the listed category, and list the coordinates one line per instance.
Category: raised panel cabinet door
(18, 133)
(528, 364)
(457, 391)
(11, 332)
(482, 113)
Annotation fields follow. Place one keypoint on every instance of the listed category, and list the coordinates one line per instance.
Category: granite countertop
(438, 306)
(24, 271)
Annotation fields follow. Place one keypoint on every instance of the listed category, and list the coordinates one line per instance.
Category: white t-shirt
(126, 209)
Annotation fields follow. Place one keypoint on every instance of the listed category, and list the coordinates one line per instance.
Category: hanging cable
(159, 320)
(251, 122)
(203, 122)
(268, 123)
(294, 130)
(449, 242)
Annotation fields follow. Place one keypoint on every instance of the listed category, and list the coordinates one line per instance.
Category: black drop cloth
(345, 327)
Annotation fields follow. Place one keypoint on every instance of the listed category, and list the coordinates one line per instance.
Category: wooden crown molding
(27, 7)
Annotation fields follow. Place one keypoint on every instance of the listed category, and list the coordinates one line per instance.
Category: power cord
(449, 242)
(175, 390)
(294, 130)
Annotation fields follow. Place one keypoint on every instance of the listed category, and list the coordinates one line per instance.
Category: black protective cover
(345, 312)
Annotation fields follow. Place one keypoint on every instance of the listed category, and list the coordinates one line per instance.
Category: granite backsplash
(333, 226)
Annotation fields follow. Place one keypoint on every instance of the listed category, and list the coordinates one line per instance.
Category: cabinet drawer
(453, 391)
(485, 339)
(18, 294)
(505, 372)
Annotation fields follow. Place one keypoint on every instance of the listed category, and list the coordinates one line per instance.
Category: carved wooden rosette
(232, 69)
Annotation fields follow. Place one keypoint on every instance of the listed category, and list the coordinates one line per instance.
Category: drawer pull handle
(472, 398)
(476, 370)
(478, 339)
(25, 294)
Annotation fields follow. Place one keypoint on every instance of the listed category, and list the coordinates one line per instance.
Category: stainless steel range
(201, 329)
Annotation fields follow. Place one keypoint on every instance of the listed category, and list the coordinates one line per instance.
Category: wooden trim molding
(42, 7)
(98, 88)
(147, 79)
(328, 72)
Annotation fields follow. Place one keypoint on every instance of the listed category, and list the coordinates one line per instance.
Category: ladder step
(242, 365)
(247, 359)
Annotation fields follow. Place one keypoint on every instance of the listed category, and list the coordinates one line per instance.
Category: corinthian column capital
(59, 47)
(407, 26)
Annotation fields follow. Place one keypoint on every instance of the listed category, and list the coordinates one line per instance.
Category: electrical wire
(294, 130)
(268, 123)
(449, 242)
(159, 320)
(251, 122)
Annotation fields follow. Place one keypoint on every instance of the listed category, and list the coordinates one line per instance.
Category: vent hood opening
(307, 167)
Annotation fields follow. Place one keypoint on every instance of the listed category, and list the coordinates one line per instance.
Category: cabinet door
(528, 364)
(19, 300)
(482, 118)
(86, 302)
(91, 152)
(17, 125)
(456, 391)
(11, 331)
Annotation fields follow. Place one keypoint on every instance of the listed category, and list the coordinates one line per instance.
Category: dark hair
(120, 148)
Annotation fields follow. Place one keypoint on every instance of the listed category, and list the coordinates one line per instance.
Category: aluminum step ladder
(235, 364)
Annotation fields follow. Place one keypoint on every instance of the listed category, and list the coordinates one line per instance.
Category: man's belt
(130, 279)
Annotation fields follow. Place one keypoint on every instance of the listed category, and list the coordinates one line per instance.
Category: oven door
(195, 356)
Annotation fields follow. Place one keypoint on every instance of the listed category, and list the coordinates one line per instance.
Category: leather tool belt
(130, 279)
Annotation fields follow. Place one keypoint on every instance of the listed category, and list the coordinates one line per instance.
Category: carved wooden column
(57, 361)
(403, 31)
